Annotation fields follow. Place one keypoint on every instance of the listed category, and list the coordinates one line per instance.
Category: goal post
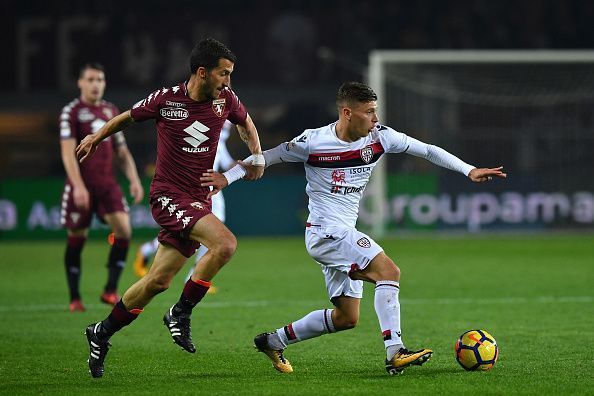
(484, 104)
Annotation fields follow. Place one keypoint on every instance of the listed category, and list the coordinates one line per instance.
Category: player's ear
(201, 72)
(346, 112)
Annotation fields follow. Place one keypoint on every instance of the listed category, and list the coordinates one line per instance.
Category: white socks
(314, 324)
(387, 308)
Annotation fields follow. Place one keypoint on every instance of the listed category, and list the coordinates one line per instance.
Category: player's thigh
(212, 233)
(380, 268)
(167, 262)
(119, 222)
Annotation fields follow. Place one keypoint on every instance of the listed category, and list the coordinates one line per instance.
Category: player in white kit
(338, 161)
(222, 162)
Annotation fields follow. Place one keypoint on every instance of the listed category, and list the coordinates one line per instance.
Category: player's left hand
(481, 175)
(137, 191)
(214, 179)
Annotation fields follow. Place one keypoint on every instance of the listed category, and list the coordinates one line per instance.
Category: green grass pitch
(534, 294)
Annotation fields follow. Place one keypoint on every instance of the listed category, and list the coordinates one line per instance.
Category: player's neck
(343, 133)
(89, 101)
(195, 89)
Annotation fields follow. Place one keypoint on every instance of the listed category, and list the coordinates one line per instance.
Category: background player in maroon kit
(91, 187)
(189, 118)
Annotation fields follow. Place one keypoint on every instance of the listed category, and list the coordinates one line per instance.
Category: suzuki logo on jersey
(218, 106)
(197, 137)
(174, 114)
(338, 176)
(366, 154)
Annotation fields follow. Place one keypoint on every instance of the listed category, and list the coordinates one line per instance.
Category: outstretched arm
(89, 144)
(219, 181)
(441, 157)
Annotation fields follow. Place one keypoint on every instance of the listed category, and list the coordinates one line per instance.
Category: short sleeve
(119, 139)
(147, 108)
(68, 122)
(237, 112)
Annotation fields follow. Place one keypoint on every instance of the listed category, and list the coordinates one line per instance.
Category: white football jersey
(337, 172)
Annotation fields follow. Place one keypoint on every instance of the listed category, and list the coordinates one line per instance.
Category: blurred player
(189, 118)
(338, 160)
(91, 187)
(222, 162)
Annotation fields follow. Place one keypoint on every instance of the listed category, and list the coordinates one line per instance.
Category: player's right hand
(86, 148)
(81, 197)
(214, 179)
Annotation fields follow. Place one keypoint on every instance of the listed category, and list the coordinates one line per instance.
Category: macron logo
(196, 132)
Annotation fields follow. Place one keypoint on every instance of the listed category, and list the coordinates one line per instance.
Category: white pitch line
(272, 303)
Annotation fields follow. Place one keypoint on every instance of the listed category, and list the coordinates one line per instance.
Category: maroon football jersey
(79, 119)
(187, 134)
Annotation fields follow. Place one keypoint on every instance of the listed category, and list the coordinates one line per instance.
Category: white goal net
(531, 111)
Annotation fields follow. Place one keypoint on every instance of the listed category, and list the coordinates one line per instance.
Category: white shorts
(340, 250)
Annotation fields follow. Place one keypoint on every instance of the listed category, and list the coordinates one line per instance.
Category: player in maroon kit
(189, 118)
(91, 187)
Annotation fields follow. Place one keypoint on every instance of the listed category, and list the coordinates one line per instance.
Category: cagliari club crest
(218, 106)
(366, 154)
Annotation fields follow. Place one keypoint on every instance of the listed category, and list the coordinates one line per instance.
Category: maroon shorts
(104, 199)
(176, 212)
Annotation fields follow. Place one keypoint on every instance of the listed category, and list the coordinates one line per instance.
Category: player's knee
(225, 249)
(390, 271)
(395, 272)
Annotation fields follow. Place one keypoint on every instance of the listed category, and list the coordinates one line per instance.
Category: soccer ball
(476, 350)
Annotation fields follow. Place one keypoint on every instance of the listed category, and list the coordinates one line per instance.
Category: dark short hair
(207, 54)
(90, 65)
(352, 91)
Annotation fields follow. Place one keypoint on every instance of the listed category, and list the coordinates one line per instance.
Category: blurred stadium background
(534, 118)
(495, 82)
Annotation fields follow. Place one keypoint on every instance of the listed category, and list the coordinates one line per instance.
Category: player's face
(92, 85)
(218, 78)
(363, 118)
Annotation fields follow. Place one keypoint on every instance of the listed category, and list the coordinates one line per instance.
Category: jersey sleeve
(147, 108)
(68, 122)
(397, 142)
(297, 150)
(393, 141)
(237, 113)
